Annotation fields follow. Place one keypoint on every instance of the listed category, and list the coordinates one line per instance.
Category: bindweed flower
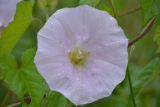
(82, 53)
(7, 12)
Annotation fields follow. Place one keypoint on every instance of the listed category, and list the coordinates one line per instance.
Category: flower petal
(115, 53)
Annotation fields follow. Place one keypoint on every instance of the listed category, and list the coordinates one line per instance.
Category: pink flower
(82, 53)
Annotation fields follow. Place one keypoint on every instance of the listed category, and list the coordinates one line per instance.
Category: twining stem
(15, 104)
(143, 32)
(140, 36)
(131, 87)
(27, 99)
(128, 12)
(113, 9)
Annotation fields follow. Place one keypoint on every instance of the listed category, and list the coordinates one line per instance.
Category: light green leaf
(15, 29)
(157, 38)
(23, 79)
(89, 2)
(146, 75)
(150, 8)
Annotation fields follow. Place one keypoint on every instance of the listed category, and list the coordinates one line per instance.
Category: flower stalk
(131, 87)
(128, 12)
(27, 100)
(113, 9)
(144, 31)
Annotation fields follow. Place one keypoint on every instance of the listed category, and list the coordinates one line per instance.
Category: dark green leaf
(146, 75)
(150, 8)
(15, 29)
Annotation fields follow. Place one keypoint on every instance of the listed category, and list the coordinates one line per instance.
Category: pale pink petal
(56, 32)
(115, 53)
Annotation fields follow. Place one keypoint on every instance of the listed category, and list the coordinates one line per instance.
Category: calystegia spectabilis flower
(82, 53)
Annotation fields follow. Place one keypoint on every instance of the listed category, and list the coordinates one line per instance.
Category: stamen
(78, 57)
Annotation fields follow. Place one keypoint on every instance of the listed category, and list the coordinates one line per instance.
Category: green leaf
(42, 9)
(146, 75)
(15, 29)
(105, 6)
(23, 79)
(39, 11)
(54, 99)
(157, 38)
(150, 8)
(89, 2)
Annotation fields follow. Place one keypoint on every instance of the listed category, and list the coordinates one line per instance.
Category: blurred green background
(141, 53)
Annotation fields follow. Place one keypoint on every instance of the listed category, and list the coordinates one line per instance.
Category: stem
(114, 10)
(140, 36)
(128, 12)
(15, 104)
(27, 100)
(143, 32)
(131, 87)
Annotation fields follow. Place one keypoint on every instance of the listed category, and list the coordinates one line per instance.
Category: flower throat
(78, 57)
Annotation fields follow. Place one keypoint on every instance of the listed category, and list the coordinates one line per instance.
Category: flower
(82, 53)
(7, 12)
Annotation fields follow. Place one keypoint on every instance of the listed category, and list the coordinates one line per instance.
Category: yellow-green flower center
(78, 57)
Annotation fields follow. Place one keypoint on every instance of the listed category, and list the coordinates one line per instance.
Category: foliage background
(19, 77)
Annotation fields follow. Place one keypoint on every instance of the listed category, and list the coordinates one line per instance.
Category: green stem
(27, 100)
(113, 9)
(128, 12)
(131, 87)
(15, 104)
(144, 31)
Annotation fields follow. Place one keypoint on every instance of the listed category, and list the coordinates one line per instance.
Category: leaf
(39, 11)
(55, 99)
(15, 29)
(23, 79)
(157, 38)
(105, 6)
(89, 2)
(146, 75)
(150, 8)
